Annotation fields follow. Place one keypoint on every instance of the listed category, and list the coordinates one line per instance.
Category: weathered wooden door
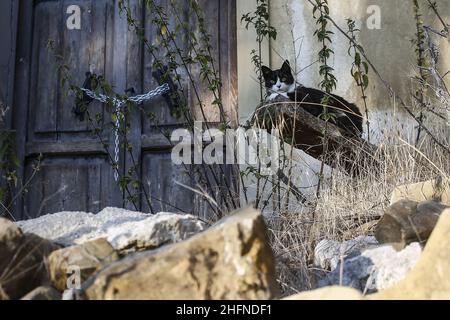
(75, 171)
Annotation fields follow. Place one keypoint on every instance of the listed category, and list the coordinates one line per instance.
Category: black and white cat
(282, 82)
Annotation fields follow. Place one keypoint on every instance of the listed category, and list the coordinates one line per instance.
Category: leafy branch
(420, 50)
(259, 21)
(329, 81)
(359, 69)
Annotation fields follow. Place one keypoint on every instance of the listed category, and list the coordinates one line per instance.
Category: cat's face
(280, 80)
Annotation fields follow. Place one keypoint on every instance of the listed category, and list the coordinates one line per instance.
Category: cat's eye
(283, 79)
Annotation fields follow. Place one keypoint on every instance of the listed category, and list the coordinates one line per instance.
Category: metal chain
(116, 142)
(119, 103)
(136, 99)
(151, 94)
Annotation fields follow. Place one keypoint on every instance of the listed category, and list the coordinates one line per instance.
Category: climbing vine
(259, 21)
(422, 64)
(321, 12)
(359, 69)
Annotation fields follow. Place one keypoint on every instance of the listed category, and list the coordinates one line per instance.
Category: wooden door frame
(7, 88)
(11, 32)
(21, 90)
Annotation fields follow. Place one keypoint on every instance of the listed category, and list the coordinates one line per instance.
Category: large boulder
(80, 260)
(231, 260)
(437, 190)
(374, 269)
(430, 278)
(22, 261)
(407, 221)
(125, 230)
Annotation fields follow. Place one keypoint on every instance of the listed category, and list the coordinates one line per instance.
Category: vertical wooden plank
(75, 50)
(201, 207)
(111, 192)
(119, 58)
(94, 186)
(47, 28)
(98, 44)
(21, 92)
(211, 14)
(31, 203)
(228, 59)
(74, 186)
(158, 106)
(161, 184)
(83, 50)
(228, 73)
(134, 80)
(247, 78)
(116, 75)
(8, 31)
(8, 27)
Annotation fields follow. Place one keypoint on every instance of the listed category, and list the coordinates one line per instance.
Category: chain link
(116, 143)
(118, 103)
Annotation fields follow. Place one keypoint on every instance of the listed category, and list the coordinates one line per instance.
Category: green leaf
(365, 81)
(357, 58)
(366, 67)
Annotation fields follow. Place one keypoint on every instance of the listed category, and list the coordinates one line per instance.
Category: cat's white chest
(276, 94)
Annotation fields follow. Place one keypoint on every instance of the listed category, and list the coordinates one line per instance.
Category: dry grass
(350, 206)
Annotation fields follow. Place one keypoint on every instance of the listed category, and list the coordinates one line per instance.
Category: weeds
(348, 207)
(359, 69)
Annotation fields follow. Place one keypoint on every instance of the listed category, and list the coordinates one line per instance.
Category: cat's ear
(266, 71)
(286, 66)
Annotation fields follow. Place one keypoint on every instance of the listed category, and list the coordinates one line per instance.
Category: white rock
(328, 253)
(69, 294)
(125, 230)
(375, 269)
(393, 266)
